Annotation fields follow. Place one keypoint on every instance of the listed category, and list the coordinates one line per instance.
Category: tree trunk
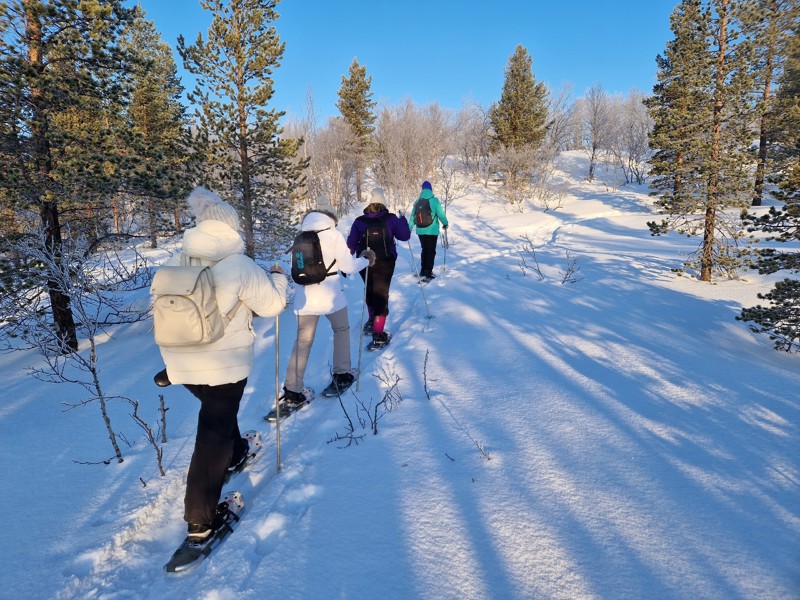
(59, 301)
(358, 177)
(762, 138)
(152, 222)
(592, 162)
(115, 210)
(247, 193)
(48, 207)
(677, 182)
(707, 253)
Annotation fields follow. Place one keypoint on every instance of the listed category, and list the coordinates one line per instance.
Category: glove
(444, 226)
(161, 379)
(369, 255)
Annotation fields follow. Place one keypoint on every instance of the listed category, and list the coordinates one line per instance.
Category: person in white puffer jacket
(326, 298)
(216, 373)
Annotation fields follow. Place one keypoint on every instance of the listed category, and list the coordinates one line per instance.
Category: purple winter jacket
(398, 229)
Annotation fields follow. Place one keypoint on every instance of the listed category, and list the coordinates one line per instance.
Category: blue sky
(446, 51)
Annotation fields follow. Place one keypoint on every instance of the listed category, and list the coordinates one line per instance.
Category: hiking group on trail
(205, 298)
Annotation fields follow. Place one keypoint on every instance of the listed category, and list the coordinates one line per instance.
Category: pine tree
(680, 108)
(781, 319)
(59, 63)
(356, 106)
(784, 130)
(158, 122)
(770, 24)
(517, 123)
(728, 178)
(249, 162)
(707, 175)
(518, 119)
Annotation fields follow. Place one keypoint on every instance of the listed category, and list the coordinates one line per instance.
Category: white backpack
(185, 311)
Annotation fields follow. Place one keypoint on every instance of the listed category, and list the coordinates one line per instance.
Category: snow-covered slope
(621, 436)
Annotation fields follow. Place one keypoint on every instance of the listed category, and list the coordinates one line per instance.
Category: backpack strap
(186, 261)
(328, 268)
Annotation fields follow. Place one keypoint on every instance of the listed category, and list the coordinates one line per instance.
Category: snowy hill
(620, 436)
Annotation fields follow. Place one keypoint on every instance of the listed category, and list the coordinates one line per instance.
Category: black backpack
(377, 237)
(423, 216)
(308, 266)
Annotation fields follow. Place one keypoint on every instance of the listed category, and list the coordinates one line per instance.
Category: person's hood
(316, 221)
(376, 215)
(212, 240)
(426, 193)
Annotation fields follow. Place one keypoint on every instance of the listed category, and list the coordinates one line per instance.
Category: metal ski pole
(277, 393)
(445, 245)
(360, 341)
(416, 271)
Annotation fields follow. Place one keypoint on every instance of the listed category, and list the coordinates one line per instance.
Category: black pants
(380, 278)
(428, 253)
(217, 443)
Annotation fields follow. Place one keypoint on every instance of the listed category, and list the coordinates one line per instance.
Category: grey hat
(324, 206)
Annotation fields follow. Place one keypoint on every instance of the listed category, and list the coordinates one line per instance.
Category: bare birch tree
(596, 117)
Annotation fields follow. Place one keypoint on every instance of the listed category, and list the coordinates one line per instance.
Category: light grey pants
(306, 328)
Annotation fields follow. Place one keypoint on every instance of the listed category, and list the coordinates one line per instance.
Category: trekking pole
(360, 341)
(416, 272)
(445, 245)
(277, 393)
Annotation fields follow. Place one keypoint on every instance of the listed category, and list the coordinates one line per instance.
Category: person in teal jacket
(428, 236)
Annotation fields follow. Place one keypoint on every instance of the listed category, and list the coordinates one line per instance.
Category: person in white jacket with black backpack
(216, 373)
(323, 299)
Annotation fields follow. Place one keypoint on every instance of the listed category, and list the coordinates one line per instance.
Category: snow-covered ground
(621, 436)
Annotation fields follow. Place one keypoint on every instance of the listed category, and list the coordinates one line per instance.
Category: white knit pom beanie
(377, 195)
(205, 205)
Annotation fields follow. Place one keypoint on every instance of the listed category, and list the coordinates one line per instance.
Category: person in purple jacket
(378, 229)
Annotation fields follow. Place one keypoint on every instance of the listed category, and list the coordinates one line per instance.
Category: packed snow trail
(621, 436)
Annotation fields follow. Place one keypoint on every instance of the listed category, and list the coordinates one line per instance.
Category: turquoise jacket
(436, 210)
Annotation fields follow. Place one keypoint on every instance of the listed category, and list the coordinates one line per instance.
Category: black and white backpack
(377, 237)
(308, 265)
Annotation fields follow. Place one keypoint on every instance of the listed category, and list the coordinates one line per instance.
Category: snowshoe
(379, 341)
(290, 403)
(191, 551)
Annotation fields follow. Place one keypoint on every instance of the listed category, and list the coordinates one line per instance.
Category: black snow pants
(217, 443)
(427, 244)
(377, 293)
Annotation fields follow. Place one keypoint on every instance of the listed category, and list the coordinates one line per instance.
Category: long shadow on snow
(671, 421)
